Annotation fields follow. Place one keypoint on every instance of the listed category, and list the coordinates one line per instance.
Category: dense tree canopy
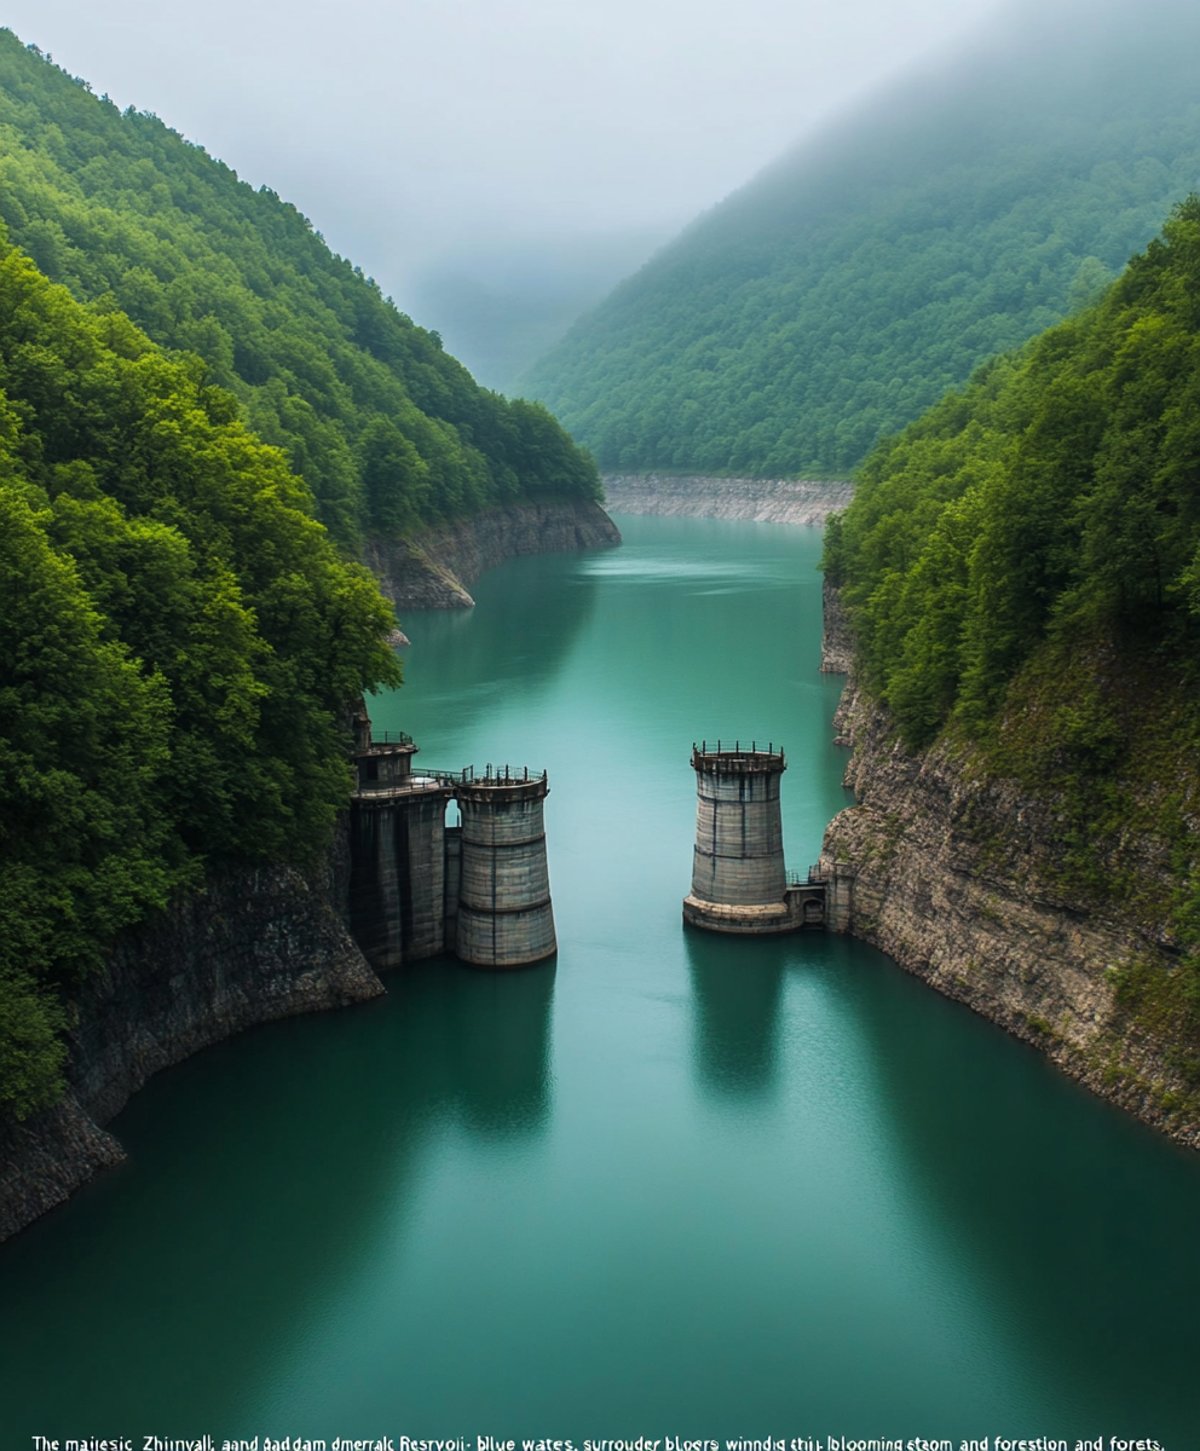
(179, 642)
(1022, 571)
(385, 427)
(839, 294)
(1059, 490)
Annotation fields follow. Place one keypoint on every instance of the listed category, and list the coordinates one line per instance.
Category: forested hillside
(1022, 571)
(386, 428)
(844, 290)
(181, 642)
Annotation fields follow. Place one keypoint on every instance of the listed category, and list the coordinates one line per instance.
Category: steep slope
(180, 646)
(1021, 573)
(387, 429)
(848, 286)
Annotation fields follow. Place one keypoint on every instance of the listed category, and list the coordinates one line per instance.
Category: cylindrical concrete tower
(504, 914)
(739, 883)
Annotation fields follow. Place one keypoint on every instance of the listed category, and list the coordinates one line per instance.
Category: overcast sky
(411, 129)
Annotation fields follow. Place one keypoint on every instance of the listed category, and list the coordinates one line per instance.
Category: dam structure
(479, 888)
(504, 914)
(739, 880)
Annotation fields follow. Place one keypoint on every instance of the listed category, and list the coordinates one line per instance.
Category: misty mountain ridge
(499, 307)
(839, 293)
(388, 430)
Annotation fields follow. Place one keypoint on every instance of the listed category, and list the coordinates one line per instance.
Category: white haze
(415, 130)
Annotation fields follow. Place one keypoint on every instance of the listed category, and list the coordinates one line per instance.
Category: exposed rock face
(257, 944)
(765, 501)
(944, 869)
(46, 1159)
(837, 643)
(432, 569)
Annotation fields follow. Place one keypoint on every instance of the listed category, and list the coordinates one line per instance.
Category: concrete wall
(505, 918)
(375, 883)
(738, 857)
(397, 885)
(384, 767)
(423, 902)
(453, 885)
(839, 903)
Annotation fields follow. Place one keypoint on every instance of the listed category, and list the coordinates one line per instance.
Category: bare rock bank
(254, 945)
(837, 642)
(946, 870)
(764, 501)
(432, 569)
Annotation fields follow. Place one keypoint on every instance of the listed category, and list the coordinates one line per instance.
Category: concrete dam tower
(739, 882)
(398, 853)
(419, 887)
(504, 914)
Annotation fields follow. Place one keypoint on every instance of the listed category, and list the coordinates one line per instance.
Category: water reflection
(722, 1198)
(495, 1052)
(510, 660)
(268, 1177)
(642, 566)
(736, 993)
(1079, 1224)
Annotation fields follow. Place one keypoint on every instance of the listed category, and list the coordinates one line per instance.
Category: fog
(433, 138)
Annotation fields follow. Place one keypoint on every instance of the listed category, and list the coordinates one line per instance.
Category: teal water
(670, 1185)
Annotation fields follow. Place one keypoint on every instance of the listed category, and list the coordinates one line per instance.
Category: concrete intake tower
(419, 887)
(739, 881)
(504, 913)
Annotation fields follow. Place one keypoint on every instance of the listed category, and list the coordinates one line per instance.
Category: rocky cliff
(765, 501)
(952, 873)
(256, 944)
(837, 642)
(431, 569)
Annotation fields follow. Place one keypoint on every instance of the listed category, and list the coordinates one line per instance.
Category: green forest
(388, 431)
(181, 643)
(202, 412)
(1022, 571)
(839, 294)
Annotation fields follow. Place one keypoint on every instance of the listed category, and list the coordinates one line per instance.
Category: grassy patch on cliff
(1107, 731)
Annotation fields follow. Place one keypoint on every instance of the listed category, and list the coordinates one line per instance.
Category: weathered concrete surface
(946, 869)
(256, 944)
(737, 857)
(505, 916)
(432, 569)
(397, 890)
(765, 501)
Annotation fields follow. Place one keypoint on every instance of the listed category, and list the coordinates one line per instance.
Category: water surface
(672, 1184)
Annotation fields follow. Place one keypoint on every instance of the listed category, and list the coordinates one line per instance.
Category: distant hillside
(847, 287)
(500, 307)
(386, 428)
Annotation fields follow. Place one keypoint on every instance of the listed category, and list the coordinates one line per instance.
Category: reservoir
(668, 1185)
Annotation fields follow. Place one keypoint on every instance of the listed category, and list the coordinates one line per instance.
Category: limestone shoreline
(945, 869)
(431, 570)
(765, 501)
